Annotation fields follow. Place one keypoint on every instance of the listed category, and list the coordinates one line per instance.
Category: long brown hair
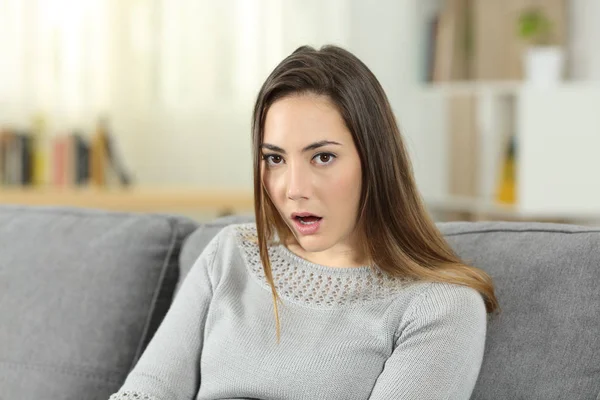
(399, 236)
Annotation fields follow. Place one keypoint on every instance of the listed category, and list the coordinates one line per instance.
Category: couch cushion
(81, 293)
(545, 343)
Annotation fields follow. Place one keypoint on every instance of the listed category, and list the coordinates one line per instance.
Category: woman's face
(312, 172)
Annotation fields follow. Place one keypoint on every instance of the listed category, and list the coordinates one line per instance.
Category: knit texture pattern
(304, 283)
(346, 333)
(129, 395)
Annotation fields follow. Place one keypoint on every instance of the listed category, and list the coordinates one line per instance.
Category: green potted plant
(544, 57)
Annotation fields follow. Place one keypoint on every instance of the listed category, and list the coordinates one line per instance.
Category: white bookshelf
(557, 131)
(558, 148)
(559, 145)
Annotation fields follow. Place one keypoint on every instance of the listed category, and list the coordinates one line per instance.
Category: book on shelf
(97, 172)
(15, 157)
(464, 146)
(451, 58)
(104, 162)
(507, 183)
(81, 152)
(429, 52)
(70, 159)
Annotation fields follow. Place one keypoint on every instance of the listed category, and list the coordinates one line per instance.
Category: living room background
(173, 83)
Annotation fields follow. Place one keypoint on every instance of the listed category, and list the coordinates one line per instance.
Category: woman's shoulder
(236, 235)
(447, 301)
(231, 239)
(233, 233)
(245, 230)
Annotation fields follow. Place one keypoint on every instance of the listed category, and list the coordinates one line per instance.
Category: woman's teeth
(308, 220)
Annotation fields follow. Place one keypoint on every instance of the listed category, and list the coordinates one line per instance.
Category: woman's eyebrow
(272, 147)
(311, 146)
(316, 145)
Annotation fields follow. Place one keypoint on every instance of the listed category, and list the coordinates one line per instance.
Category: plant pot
(544, 65)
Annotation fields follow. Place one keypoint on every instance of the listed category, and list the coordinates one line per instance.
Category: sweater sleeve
(169, 368)
(439, 350)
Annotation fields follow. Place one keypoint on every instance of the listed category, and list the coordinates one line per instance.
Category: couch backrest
(545, 343)
(81, 293)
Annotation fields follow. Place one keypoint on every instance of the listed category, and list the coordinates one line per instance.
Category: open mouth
(306, 218)
(307, 223)
(309, 220)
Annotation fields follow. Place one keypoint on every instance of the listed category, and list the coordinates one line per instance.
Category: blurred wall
(584, 33)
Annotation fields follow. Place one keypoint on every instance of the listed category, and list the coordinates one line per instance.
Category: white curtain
(54, 59)
(177, 78)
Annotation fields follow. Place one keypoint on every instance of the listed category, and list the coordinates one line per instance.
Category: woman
(369, 300)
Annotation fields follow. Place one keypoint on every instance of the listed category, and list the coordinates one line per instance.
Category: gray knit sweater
(346, 333)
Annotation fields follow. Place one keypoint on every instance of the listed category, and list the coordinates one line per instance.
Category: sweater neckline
(295, 259)
(314, 285)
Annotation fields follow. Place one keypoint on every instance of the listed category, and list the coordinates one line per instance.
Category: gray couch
(82, 291)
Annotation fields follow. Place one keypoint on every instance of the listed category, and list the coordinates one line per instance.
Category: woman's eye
(273, 159)
(323, 158)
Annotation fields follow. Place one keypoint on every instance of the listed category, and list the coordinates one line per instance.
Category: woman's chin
(312, 244)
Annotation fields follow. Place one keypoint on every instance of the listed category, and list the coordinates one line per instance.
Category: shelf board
(486, 209)
(472, 205)
(236, 201)
(472, 88)
(133, 199)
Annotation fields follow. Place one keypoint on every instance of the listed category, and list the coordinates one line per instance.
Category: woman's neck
(338, 256)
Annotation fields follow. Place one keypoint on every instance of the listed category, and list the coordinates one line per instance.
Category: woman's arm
(439, 349)
(169, 368)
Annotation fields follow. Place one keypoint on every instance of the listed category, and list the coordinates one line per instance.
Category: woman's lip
(307, 229)
(303, 214)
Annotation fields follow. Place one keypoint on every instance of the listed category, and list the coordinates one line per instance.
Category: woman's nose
(298, 182)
